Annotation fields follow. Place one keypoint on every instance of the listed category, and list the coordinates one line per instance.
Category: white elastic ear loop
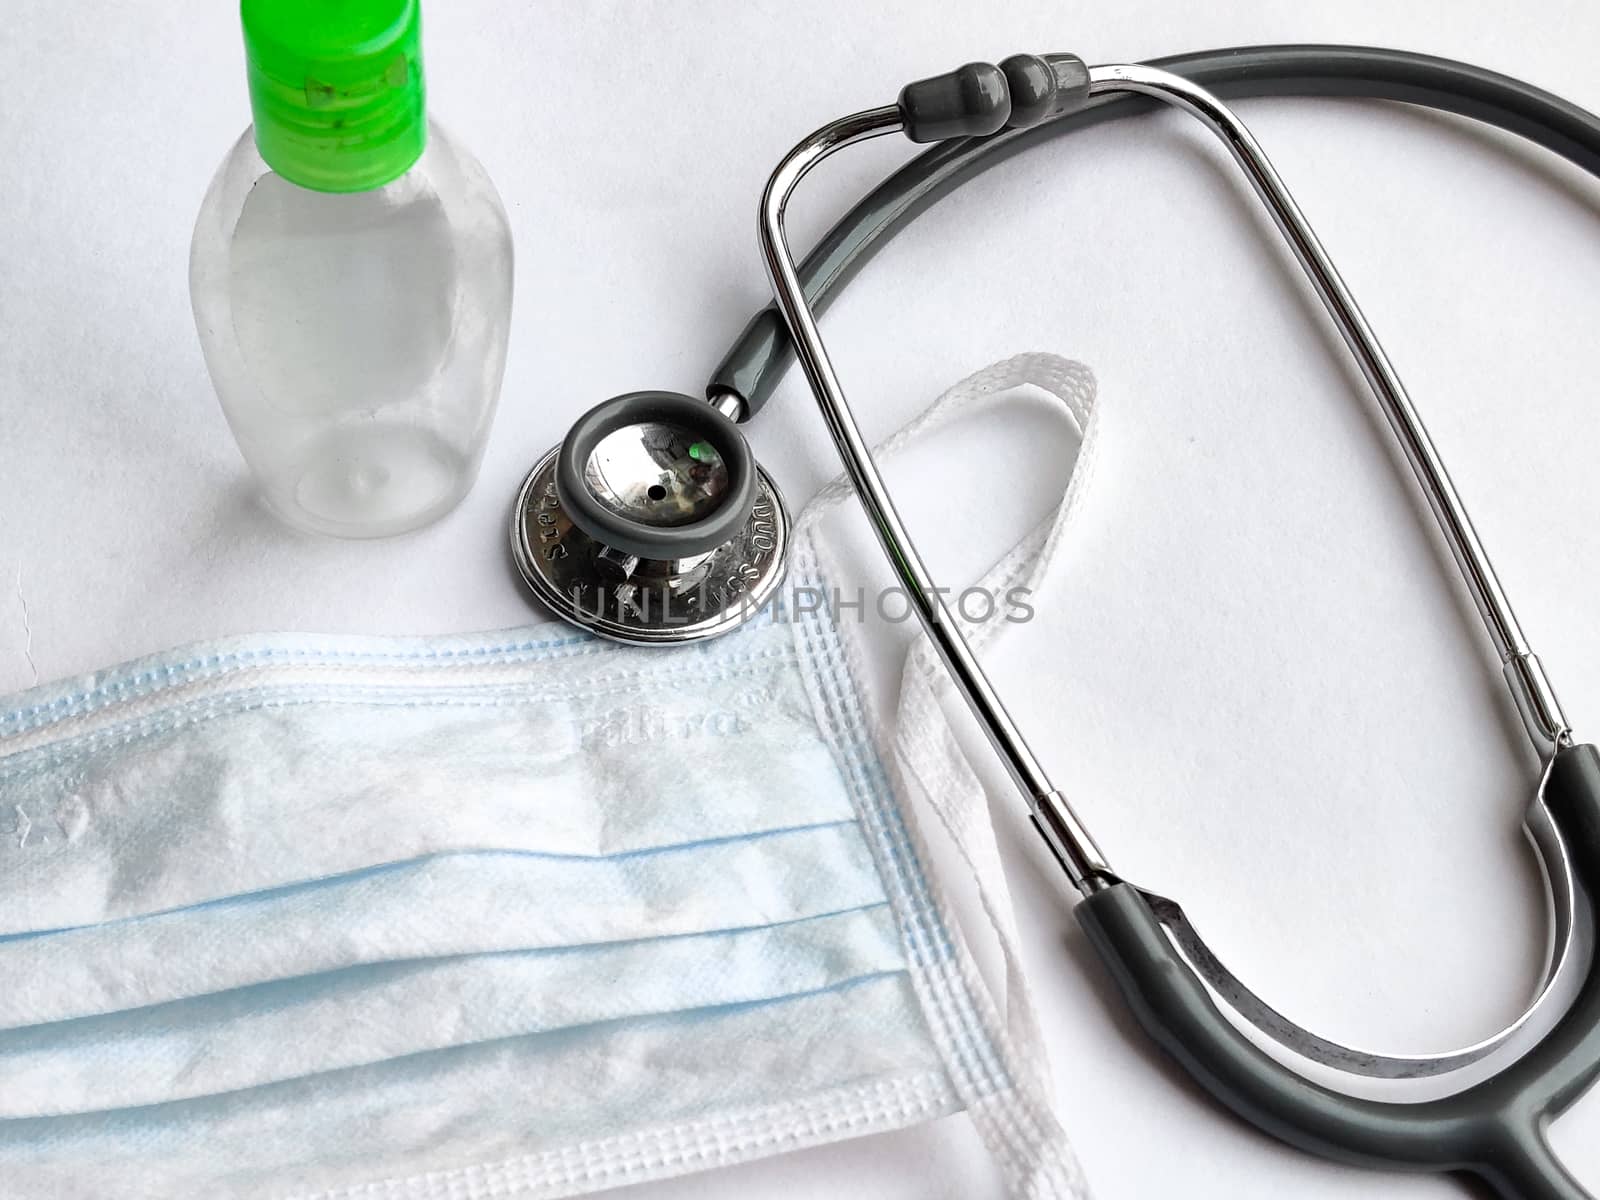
(925, 749)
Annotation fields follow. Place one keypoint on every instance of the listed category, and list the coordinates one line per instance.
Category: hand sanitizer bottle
(351, 276)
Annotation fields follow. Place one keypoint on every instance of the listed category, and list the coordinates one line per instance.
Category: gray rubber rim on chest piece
(656, 542)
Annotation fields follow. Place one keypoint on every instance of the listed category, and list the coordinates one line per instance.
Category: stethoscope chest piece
(651, 523)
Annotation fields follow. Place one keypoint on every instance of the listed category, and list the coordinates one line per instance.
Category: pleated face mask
(528, 914)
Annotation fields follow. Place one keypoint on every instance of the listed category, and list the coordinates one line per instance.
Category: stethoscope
(652, 523)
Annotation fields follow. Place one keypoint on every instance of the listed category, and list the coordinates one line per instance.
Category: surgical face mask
(523, 914)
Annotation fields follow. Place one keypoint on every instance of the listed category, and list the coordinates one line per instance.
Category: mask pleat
(498, 1118)
(255, 1036)
(255, 791)
(431, 908)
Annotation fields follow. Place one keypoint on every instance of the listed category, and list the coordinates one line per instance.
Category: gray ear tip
(971, 101)
(980, 98)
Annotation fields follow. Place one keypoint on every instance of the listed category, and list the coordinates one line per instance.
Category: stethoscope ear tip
(980, 98)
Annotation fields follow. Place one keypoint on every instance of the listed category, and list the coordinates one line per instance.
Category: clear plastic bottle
(351, 276)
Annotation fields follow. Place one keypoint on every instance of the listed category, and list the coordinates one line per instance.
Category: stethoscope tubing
(764, 351)
(1495, 1128)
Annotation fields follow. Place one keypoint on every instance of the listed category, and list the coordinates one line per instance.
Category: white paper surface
(1251, 671)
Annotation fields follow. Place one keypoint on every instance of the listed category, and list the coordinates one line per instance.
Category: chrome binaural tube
(1530, 689)
(1068, 838)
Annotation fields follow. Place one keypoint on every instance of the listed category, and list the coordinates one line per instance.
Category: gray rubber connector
(1043, 88)
(658, 542)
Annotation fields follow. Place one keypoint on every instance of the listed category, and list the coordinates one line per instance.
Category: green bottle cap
(336, 88)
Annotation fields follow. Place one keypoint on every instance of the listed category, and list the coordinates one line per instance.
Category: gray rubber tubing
(763, 352)
(1494, 1130)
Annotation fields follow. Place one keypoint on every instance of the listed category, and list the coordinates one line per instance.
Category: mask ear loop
(929, 760)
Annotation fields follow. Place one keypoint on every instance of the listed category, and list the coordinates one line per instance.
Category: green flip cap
(336, 88)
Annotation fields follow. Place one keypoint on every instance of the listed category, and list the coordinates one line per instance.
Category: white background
(1249, 670)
